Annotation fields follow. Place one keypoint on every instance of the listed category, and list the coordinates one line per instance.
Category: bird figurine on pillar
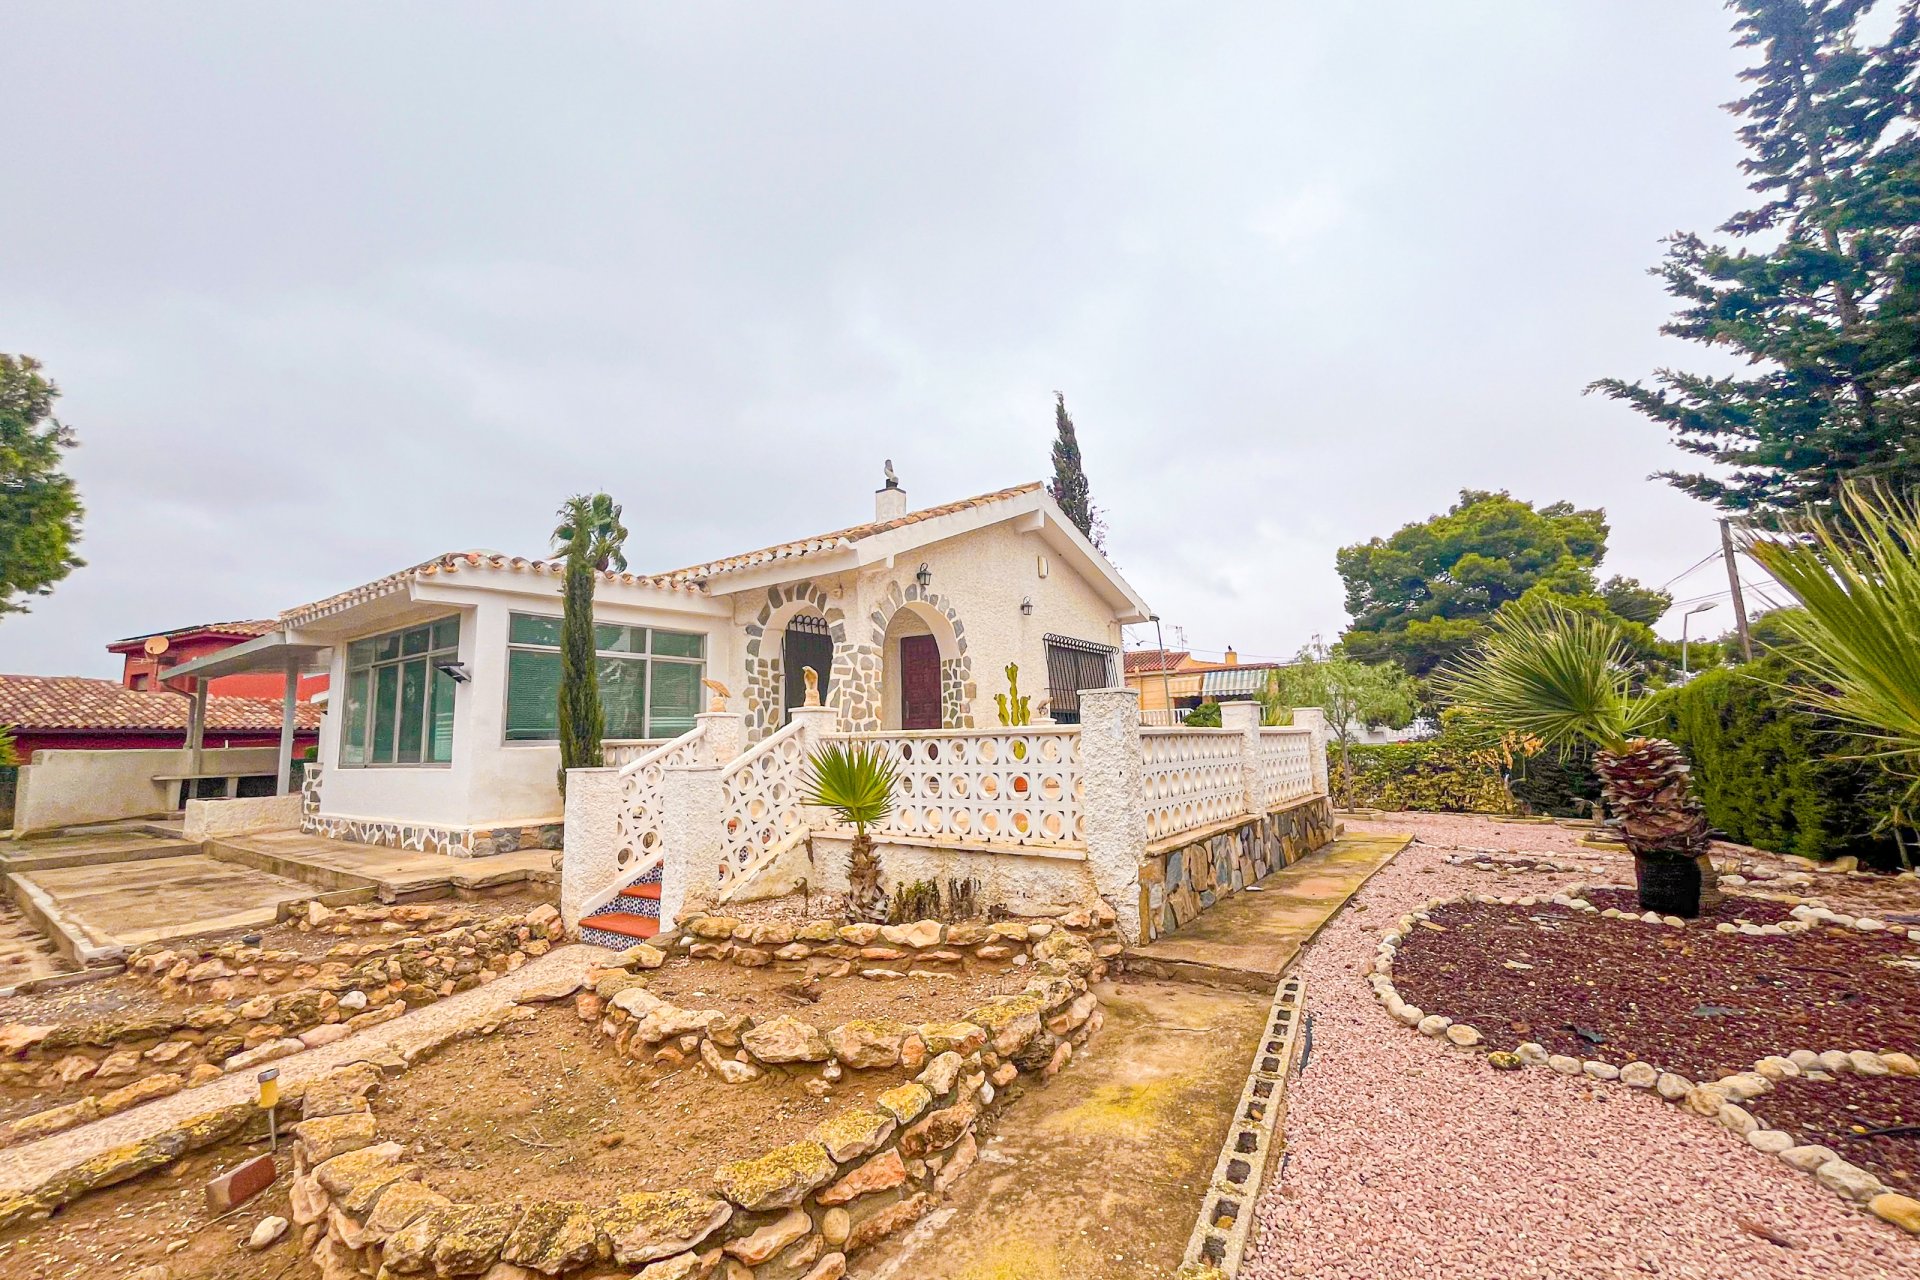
(893, 480)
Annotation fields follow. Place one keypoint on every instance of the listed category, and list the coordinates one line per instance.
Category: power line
(1701, 563)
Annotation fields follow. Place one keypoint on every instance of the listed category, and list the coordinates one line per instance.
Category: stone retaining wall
(1178, 882)
(793, 1213)
(120, 1061)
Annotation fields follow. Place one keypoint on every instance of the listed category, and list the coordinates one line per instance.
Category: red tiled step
(624, 923)
(641, 891)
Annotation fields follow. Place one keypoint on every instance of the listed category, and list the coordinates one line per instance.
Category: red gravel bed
(1838, 1113)
(1691, 1000)
(1731, 909)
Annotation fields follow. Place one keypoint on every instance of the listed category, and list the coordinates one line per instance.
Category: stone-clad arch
(957, 688)
(763, 693)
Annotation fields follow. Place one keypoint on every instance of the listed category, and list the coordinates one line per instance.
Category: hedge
(1440, 774)
(1772, 775)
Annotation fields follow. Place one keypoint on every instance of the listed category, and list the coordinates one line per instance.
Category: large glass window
(649, 679)
(399, 703)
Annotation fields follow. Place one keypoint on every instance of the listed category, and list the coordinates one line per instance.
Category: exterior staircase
(632, 916)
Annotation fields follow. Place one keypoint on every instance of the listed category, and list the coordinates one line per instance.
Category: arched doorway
(917, 669)
(806, 643)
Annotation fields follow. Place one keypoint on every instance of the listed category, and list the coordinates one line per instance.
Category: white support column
(288, 703)
(692, 814)
(1114, 796)
(1244, 717)
(724, 736)
(196, 732)
(1316, 719)
(817, 724)
(588, 860)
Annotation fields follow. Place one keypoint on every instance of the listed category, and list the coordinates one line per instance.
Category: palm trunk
(1645, 785)
(866, 900)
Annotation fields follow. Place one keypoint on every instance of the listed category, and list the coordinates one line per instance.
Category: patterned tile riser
(1178, 885)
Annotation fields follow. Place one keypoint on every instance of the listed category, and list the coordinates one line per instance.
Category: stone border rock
(1719, 1100)
(1219, 1238)
(797, 1211)
(356, 986)
(739, 1048)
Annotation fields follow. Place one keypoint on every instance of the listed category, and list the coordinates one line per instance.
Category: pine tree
(1069, 487)
(39, 508)
(1825, 304)
(592, 538)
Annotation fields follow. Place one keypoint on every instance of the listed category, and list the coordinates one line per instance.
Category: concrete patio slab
(129, 903)
(1098, 1174)
(1249, 939)
(395, 873)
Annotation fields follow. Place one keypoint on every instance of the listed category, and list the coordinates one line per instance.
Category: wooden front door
(919, 682)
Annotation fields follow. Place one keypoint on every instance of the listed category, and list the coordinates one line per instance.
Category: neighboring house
(76, 713)
(443, 726)
(147, 659)
(1173, 677)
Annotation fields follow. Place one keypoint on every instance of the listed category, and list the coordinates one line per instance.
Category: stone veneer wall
(855, 687)
(454, 842)
(1178, 883)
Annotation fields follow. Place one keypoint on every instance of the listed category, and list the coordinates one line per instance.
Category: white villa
(441, 733)
(442, 729)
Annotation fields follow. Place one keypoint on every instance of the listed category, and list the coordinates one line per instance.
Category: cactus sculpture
(1014, 708)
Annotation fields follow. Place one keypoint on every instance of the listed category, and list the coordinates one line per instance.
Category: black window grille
(1073, 665)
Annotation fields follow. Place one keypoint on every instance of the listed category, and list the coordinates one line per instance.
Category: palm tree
(592, 538)
(856, 782)
(1856, 576)
(1563, 677)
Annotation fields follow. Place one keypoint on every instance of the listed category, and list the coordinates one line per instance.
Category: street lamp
(1685, 618)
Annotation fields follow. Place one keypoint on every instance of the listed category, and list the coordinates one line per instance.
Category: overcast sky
(328, 294)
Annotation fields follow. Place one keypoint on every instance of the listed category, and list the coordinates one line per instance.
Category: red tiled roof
(247, 630)
(841, 537)
(692, 579)
(1139, 661)
(76, 702)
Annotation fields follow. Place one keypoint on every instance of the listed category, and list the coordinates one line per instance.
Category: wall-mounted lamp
(923, 575)
(455, 671)
(1026, 605)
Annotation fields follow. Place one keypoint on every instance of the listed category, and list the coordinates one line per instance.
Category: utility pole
(1733, 580)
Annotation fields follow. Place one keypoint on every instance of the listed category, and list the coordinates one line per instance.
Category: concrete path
(1250, 939)
(26, 1167)
(1098, 1175)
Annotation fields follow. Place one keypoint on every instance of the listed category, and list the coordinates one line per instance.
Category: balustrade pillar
(1244, 718)
(589, 854)
(692, 836)
(817, 724)
(1114, 799)
(723, 736)
(1315, 719)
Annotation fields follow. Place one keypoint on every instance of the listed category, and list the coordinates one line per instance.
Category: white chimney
(890, 500)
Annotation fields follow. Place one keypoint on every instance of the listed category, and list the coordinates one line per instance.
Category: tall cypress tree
(1069, 487)
(593, 540)
(1824, 304)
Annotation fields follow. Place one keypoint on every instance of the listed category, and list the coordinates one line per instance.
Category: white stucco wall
(66, 788)
(490, 781)
(212, 819)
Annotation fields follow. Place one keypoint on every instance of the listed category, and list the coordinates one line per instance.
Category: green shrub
(1448, 773)
(1204, 716)
(1558, 781)
(1774, 776)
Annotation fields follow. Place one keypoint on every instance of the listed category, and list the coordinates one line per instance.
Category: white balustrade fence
(1191, 778)
(761, 805)
(1015, 786)
(618, 753)
(1286, 765)
(641, 780)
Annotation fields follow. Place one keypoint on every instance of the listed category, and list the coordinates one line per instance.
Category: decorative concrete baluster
(1245, 718)
(1115, 799)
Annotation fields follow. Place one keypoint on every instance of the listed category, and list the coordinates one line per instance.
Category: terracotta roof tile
(1138, 661)
(839, 538)
(76, 702)
(452, 562)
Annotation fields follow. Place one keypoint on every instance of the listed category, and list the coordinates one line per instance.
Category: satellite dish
(155, 646)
